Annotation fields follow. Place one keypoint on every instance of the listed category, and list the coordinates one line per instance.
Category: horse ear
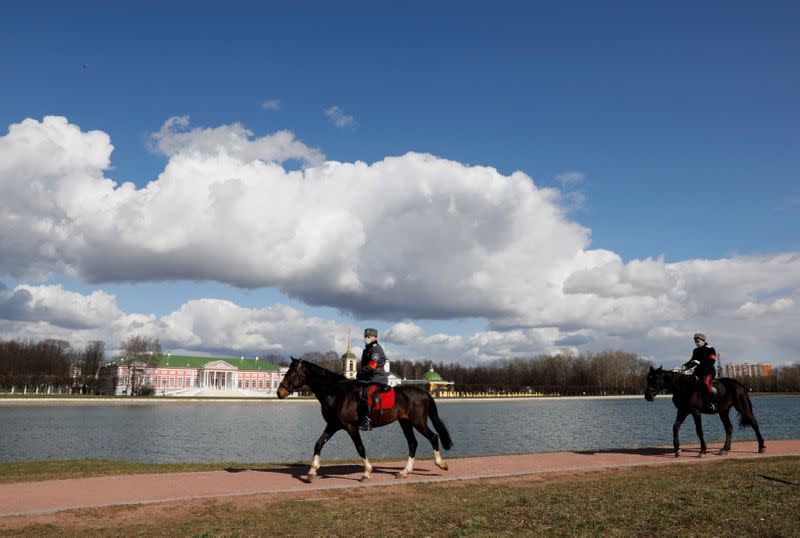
(293, 359)
(652, 369)
(660, 367)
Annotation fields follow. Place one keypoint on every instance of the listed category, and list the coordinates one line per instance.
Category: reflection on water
(284, 432)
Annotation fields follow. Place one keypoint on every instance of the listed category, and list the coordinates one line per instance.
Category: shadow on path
(660, 451)
(644, 451)
(340, 471)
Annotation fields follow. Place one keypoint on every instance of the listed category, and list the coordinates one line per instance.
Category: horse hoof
(701, 455)
(402, 475)
(311, 477)
(444, 467)
(678, 453)
(723, 452)
(364, 478)
(762, 450)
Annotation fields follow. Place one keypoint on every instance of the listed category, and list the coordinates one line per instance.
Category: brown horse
(688, 398)
(339, 399)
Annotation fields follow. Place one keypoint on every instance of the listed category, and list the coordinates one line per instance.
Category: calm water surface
(285, 432)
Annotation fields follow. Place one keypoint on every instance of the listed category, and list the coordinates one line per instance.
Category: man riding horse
(372, 372)
(704, 362)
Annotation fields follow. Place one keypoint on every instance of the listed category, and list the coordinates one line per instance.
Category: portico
(219, 375)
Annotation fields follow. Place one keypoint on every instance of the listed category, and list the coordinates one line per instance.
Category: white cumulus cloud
(337, 116)
(404, 333)
(440, 239)
(175, 137)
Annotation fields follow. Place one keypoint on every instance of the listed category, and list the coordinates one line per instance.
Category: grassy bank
(29, 471)
(729, 498)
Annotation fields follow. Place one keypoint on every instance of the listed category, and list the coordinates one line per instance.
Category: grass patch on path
(726, 498)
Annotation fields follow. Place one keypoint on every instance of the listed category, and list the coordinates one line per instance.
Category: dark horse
(688, 398)
(339, 399)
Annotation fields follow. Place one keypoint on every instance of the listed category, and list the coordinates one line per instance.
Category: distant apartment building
(746, 369)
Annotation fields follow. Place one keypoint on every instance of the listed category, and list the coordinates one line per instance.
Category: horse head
(655, 383)
(294, 379)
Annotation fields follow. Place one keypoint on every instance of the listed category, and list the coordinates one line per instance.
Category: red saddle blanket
(380, 400)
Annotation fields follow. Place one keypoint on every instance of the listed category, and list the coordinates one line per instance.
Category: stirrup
(365, 424)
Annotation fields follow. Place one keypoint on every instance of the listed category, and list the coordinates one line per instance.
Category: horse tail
(441, 429)
(743, 405)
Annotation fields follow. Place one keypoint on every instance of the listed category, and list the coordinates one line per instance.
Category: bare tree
(278, 360)
(91, 360)
(329, 360)
(139, 353)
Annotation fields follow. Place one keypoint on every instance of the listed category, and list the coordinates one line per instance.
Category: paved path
(57, 495)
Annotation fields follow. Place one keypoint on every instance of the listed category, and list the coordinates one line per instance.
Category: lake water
(286, 431)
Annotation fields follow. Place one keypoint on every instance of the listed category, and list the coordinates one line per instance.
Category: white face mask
(367, 340)
(699, 343)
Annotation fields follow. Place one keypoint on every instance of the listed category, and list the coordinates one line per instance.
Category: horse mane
(319, 371)
(672, 375)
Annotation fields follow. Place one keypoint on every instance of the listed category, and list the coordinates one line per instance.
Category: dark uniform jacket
(372, 361)
(705, 357)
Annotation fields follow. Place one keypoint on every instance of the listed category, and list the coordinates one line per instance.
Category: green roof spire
(348, 354)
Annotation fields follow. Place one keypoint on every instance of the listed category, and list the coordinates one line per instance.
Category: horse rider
(372, 371)
(704, 362)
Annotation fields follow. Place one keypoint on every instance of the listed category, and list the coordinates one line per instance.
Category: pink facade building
(180, 375)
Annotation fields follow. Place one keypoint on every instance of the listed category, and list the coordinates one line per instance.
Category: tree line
(54, 365)
(784, 379)
(50, 366)
(606, 372)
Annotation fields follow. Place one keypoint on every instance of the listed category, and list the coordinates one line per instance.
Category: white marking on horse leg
(437, 459)
(409, 467)
(367, 470)
(312, 472)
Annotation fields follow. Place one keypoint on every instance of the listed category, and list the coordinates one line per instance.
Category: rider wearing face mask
(704, 362)
(372, 371)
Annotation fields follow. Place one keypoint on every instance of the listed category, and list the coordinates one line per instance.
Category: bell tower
(349, 362)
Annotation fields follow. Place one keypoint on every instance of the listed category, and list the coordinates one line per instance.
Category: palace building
(187, 376)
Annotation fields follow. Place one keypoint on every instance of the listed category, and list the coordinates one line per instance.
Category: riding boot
(712, 399)
(364, 420)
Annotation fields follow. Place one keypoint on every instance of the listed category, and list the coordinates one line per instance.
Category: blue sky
(682, 119)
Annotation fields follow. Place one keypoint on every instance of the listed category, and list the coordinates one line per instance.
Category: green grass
(29, 471)
(728, 498)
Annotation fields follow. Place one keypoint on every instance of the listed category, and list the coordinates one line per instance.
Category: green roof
(430, 375)
(184, 361)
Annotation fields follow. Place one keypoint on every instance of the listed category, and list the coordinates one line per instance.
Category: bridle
(657, 385)
(296, 382)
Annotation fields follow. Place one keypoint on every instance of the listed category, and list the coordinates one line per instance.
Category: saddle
(380, 397)
(706, 397)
